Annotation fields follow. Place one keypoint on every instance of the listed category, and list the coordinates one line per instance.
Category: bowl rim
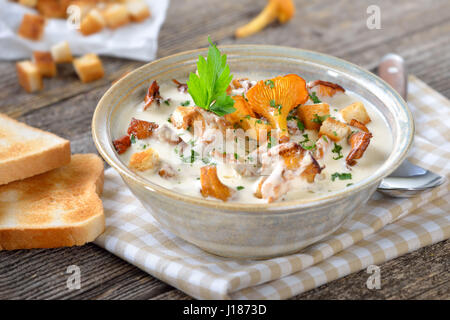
(274, 207)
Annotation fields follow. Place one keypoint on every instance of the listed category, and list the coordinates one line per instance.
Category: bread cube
(311, 115)
(32, 27)
(44, 63)
(51, 8)
(184, 117)
(334, 129)
(116, 15)
(61, 52)
(29, 77)
(145, 160)
(92, 23)
(355, 111)
(85, 6)
(29, 3)
(138, 10)
(88, 67)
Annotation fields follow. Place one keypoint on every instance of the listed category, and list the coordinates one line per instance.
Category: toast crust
(58, 208)
(21, 160)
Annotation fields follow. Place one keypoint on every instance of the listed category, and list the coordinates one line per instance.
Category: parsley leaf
(186, 103)
(338, 150)
(341, 176)
(300, 125)
(314, 98)
(208, 88)
(239, 187)
(319, 119)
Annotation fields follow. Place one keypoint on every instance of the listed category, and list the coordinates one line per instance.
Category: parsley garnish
(319, 119)
(307, 144)
(133, 138)
(186, 103)
(314, 98)
(269, 83)
(167, 102)
(341, 176)
(208, 88)
(337, 149)
(239, 187)
(300, 125)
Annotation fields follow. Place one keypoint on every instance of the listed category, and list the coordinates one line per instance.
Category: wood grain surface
(416, 29)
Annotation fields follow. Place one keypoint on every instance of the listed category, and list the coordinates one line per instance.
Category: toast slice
(58, 208)
(26, 151)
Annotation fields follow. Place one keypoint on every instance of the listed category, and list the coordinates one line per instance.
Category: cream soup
(178, 154)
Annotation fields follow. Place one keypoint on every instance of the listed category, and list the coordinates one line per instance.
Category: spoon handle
(392, 69)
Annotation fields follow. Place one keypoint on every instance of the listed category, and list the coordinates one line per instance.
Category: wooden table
(418, 30)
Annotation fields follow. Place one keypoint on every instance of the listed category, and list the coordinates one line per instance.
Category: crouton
(212, 186)
(92, 23)
(334, 129)
(85, 6)
(312, 115)
(184, 117)
(122, 144)
(61, 52)
(116, 15)
(88, 67)
(138, 10)
(145, 160)
(141, 129)
(51, 8)
(29, 77)
(355, 111)
(32, 27)
(29, 3)
(44, 63)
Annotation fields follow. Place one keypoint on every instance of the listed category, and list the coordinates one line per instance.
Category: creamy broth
(187, 177)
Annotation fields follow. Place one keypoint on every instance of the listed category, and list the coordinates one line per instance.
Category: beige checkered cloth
(382, 230)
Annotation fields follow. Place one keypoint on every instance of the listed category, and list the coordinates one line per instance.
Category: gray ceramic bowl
(262, 230)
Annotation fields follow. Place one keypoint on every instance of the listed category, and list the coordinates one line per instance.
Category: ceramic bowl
(254, 231)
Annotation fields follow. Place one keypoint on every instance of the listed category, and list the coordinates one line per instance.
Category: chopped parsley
(269, 83)
(319, 119)
(273, 104)
(341, 176)
(186, 103)
(349, 184)
(307, 144)
(133, 138)
(240, 188)
(335, 133)
(236, 156)
(314, 98)
(169, 120)
(300, 125)
(325, 138)
(338, 150)
(167, 102)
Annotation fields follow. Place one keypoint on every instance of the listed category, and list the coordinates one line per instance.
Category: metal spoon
(409, 179)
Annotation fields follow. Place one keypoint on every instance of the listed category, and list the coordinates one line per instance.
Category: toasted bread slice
(27, 151)
(58, 208)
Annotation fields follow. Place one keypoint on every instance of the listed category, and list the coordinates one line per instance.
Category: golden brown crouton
(45, 64)
(29, 77)
(28, 3)
(52, 8)
(212, 186)
(334, 129)
(184, 117)
(355, 111)
(61, 52)
(88, 67)
(32, 27)
(311, 115)
(116, 15)
(138, 10)
(92, 23)
(145, 160)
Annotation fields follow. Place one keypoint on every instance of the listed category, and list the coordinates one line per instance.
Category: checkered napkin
(382, 230)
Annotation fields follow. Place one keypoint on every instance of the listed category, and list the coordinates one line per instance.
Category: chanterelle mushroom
(283, 10)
